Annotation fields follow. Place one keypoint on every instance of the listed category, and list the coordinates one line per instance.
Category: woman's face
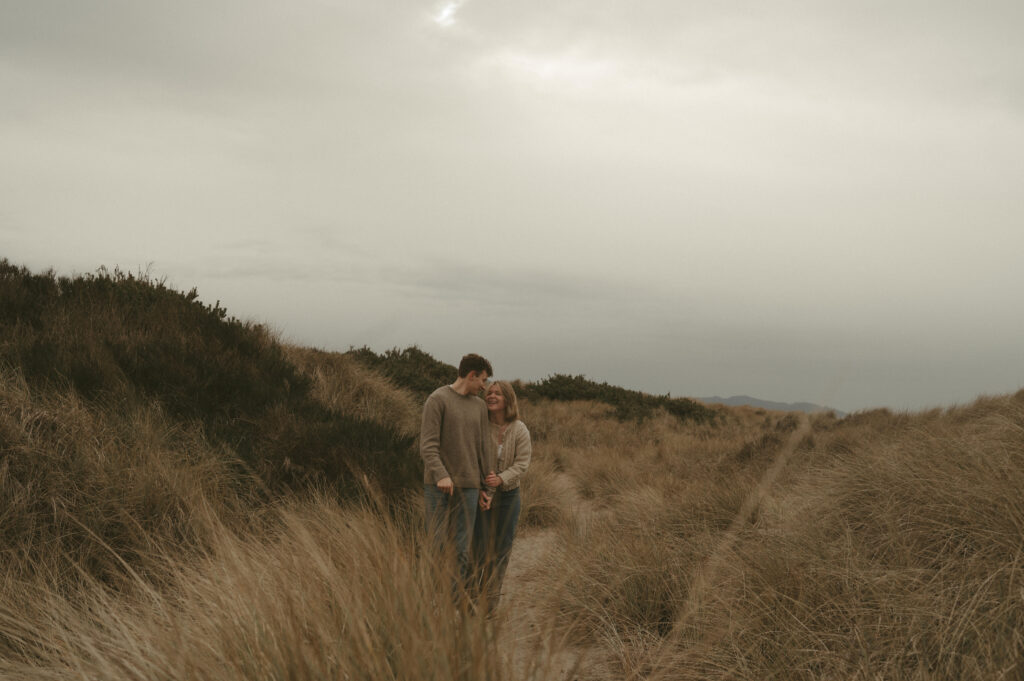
(494, 399)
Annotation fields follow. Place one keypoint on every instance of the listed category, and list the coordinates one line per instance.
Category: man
(457, 454)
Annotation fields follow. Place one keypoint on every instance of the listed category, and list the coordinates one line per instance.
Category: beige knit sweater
(514, 451)
(453, 439)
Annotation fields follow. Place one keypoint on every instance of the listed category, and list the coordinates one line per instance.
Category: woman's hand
(484, 501)
(493, 480)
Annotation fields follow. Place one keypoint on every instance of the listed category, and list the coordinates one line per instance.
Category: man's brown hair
(474, 362)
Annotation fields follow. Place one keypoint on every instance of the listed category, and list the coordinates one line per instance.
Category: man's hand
(446, 486)
(493, 480)
(485, 501)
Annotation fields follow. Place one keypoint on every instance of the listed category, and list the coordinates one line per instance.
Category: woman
(496, 524)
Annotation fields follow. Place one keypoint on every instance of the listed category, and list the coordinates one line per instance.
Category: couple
(474, 454)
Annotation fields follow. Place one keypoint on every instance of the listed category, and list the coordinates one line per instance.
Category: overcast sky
(802, 200)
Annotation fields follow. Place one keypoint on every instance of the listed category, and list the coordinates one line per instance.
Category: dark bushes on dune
(417, 371)
(410, 368)
(628, 404)
(116, 336)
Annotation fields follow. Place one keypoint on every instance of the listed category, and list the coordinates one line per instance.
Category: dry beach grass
(889, 547)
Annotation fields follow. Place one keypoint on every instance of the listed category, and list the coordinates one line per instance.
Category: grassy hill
(126, 405)
(122, 341)
(184, 497)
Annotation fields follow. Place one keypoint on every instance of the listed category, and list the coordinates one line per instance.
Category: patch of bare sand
(527, 631)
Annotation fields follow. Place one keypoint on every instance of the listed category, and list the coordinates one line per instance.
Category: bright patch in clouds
(564, 71)
(446, 16)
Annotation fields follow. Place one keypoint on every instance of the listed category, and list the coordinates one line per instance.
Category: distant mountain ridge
(748, 401)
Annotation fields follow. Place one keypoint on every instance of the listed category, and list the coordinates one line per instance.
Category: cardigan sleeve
(521, 456)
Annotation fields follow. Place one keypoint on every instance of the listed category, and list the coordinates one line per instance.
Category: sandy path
(526, 631)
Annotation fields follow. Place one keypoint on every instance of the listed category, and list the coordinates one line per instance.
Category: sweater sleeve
(430, 440)
(488, 451)
(524, 449)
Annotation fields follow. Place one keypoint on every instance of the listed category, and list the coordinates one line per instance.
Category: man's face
(477, 380)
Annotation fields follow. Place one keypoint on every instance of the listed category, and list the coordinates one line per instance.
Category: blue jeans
(492, 542)
(452, 519)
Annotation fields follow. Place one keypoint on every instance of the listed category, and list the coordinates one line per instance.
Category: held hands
(491, 480)
(445, 485)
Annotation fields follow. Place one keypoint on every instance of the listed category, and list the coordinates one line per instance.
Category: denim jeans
(492, 543)
(450, 520)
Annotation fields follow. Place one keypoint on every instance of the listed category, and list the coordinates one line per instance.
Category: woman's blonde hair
(511, 403)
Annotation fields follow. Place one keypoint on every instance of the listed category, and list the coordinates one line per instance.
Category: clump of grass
(547, 495)
(625, 578)
(103, 485)
(344, 385)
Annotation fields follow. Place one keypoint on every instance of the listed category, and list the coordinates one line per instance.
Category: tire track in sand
(706, 574)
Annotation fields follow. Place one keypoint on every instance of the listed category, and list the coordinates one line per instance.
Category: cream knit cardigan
(514, 452)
